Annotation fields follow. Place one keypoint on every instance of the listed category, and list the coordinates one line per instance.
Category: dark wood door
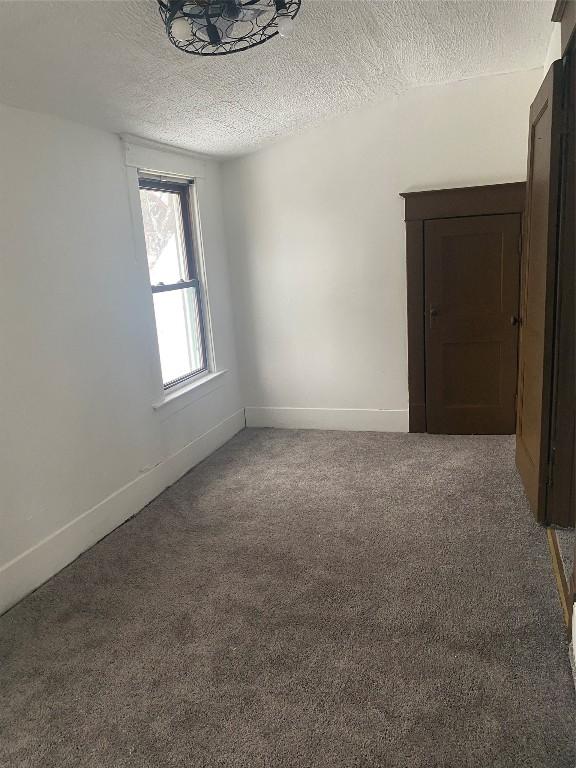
(538, 291)
(472, 280)
(561, 494)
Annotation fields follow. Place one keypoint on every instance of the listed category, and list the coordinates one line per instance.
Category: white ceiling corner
(108, 63)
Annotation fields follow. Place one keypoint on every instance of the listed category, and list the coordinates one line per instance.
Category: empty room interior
(287, 350)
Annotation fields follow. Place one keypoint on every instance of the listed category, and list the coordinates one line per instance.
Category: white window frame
(149, 159)
(184, 189)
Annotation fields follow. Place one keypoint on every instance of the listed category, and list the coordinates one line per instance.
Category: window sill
(183, 396)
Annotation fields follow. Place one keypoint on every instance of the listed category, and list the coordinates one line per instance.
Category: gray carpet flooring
(305, 599)
(567, 545)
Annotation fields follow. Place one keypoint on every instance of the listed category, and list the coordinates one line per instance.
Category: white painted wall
(81, 446)
(554, 48)
(316, 242)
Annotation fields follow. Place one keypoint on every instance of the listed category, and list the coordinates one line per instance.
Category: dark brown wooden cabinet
(561, 498)
(539, 290)
(559, 506)
(546, 384)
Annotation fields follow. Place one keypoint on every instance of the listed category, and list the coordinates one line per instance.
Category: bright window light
(168, 229)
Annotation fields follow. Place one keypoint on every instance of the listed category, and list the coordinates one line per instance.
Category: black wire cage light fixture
(218, 27)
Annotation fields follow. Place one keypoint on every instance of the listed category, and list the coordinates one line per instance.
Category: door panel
(537, 295)
(471, 297)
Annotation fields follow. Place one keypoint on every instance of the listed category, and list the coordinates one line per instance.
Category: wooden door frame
(419, 207)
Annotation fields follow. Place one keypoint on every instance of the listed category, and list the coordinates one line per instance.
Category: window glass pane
(179, 333)
(164, 234)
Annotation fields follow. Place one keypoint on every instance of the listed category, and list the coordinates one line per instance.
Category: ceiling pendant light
(217, 27)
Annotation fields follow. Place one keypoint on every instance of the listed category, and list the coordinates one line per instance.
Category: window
(168, 229)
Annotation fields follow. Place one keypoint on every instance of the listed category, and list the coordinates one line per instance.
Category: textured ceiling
(110, 64)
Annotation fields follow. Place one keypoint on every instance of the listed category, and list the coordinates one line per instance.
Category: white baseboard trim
(361, 419)
(32, 568)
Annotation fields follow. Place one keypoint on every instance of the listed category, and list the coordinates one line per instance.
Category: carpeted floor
(567, 543)
(303, 599)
